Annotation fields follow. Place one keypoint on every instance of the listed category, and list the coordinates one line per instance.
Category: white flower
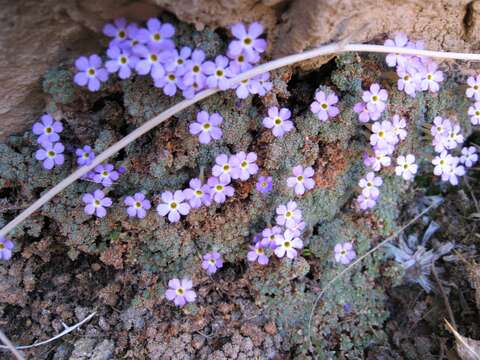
(474, 112)
(453, 171)
(406, 167)
(383, 135)
(399, 124)
(370, 184)
(442, 163)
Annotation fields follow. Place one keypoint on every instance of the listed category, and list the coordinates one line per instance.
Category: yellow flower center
(475, 87)
(429, 77)
(91, 71)
(196, 69)
(48, 130)
(153, 58)
(96, 203)
(121, 34)
(51, 153)
(248, 41)
(324, 106)
(212, 261)
(241, 58)
(406, 77)
(219, 187)
(405, 166)
(180, 291)
(375, 98)
(278, 121)
(104, 173)
(259, 251)
(180, 61)
(2, 246)
(300, 178)
(156, 37)
(206, 126)
(199, 193)
(287, 244)
(477, 112)
(123, 59)
(171, 77)
(263, 184)
(226, 167)
(288, 214)
(173, 205)
(219, 73)
(138, 204)
(243, 164)
(381, 134)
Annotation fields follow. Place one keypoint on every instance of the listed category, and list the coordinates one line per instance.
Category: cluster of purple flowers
(51, 150)
(446, 137)
(386, 135)
(415, 73)
(217, 189)
(473, 91)
(283, 239)
(150, 50)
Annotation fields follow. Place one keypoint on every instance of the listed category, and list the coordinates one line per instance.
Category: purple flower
(431, 78)
(257, 253)
(217, 73)
(85, 155)
(288, 215)
(173, 205)
(248, 41)
(400, 40)
(378, 160)
(453, 171)
(278, 121)
(370, 184)
(47, 129)
(51, 155)
(223, 168)
(243, 165)
(269, 236)
(473, 87)
(194, 68)
(399, 125)
(169, 82)
(189, 91)
(178, 60)
(301, 179)
(366, 203)
(442, 163)
(264, 184)
(344, 253)
(474, 112)
(180, 292)
(383, 135)
(406, 167)
(96, 203)
(6, 247)
(122, 61)
(375, 98)
(469, 156)
(365, 115)
(323, 106)
(90, 72)
(105, 175)
(157, 34)
(288, 245)
(212, 262)
(137, 205)
(117, 30)
(241, 62)
(197, 194)
(409, 80)
(133, 38)
(219, 190)
(151, 61)
(207, 126)
(260, 85)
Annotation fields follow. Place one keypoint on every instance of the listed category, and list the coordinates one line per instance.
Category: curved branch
(269, 66)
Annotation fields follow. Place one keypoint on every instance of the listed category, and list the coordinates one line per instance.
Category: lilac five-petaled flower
(207, 127)
(85, 155)
(219, 190)
(244, 165)
(174, 205)
(212, 262)
(301, 179)
(344, 253)
(117, 31)
(375, 98)
(157, 35)
(137, 205)
(47, 129)
(248, 41)
(151, 61)
(257, 253)
(217, 73)
(269, 236)
(96, 203)
(370, 185)
(180, 292)
(288, 215)
(264, 184)
(223, 168)
(6, 247)
(323, 106)
(122, 61)
(91, 72)
(406, 167)
(365, 115)
(278, 121)
(51, 155)
(197, 194)
(105, 175)
(287, 245)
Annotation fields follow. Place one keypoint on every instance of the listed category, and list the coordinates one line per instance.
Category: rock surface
(38, 35)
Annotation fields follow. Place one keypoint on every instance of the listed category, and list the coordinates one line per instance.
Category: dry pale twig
(334, 48)
(68, 329)
(8, 345)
